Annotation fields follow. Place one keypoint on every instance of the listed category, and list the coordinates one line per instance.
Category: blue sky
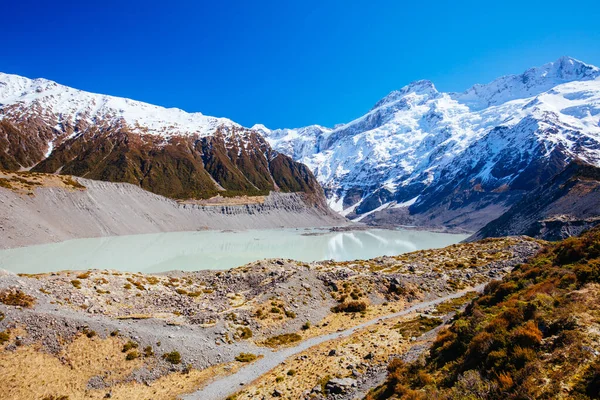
(287, 63)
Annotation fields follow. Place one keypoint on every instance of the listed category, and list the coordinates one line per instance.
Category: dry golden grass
(29, 373)
(26, 182)
(379, 341)
(336, 321)
(227, 201)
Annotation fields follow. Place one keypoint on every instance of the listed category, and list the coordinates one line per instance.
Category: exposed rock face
(51, 128)
(458, 160)
(565, 206)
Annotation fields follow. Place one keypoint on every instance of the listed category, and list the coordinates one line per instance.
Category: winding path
(231, 384)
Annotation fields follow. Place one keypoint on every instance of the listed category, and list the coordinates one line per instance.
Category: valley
(207, 319)
(443, 245)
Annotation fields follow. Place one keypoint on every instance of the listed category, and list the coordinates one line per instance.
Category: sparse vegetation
(76, 283)
(88, 332)
(350, 307)
(129, 345)
(84, 275)
(245, 357)
(4, 337)
(15, 297)
(417, 326)
(132, 355)
(280, 340)
(525, 337)
(244, 332)
(148, 352)
(173, 357)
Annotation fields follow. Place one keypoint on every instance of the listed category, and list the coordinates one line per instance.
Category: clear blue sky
(287, 63)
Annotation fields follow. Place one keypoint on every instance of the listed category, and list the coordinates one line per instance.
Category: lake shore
(54, 212)
(162, 335)
(191, 251)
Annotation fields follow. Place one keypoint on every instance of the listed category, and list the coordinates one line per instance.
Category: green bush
(173, 357)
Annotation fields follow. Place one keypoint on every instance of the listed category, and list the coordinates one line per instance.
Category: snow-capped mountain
(48, 127)
(21, 97)
(454, 159)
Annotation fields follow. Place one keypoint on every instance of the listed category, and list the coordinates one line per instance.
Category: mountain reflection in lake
(217, 250)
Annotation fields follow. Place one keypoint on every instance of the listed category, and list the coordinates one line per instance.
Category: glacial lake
(190, 251)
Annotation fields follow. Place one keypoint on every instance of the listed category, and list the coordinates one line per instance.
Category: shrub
(148, 352)
(280, 340)
(2, 316)
(84, 275)
(69, 181)
(590, 381)
(350, 307)
(132, 355)
(76, 283)
(505, 380)
(528, 335)
(173, 357)
(129, 345)
(4, 337)
(522, 356)
(16, 298)
(291, 372)
(246, 357)
(306, 326)
(244, 332)
(279, 379)
(89, 333)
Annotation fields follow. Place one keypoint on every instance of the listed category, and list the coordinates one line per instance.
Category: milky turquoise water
(217, 250)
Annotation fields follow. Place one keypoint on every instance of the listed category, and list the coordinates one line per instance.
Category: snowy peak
(443, 149)
(569, 69)
(532, 82)
(419, 88)
(60, 104)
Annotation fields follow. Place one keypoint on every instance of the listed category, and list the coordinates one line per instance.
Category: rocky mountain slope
(565, 206)
(47, 127)
(429, 158)
(531, 335)
(39, 208)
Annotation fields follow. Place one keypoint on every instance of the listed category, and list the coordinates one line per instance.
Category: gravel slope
(110, 209)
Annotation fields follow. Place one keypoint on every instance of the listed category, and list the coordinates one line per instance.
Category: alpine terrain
(457, 160)
(47, 127)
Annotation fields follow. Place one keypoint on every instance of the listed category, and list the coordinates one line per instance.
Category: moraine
(161, 252)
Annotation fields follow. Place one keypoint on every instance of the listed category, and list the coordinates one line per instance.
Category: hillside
(47, 127)
(565, 206)
(111, 334)
(41, 208)
(458, 160)
(533, 334)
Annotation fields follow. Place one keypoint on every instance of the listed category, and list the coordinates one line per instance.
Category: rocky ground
(107, 333)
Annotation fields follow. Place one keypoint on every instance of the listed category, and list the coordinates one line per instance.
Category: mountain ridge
(51, 128)
(429, 149)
